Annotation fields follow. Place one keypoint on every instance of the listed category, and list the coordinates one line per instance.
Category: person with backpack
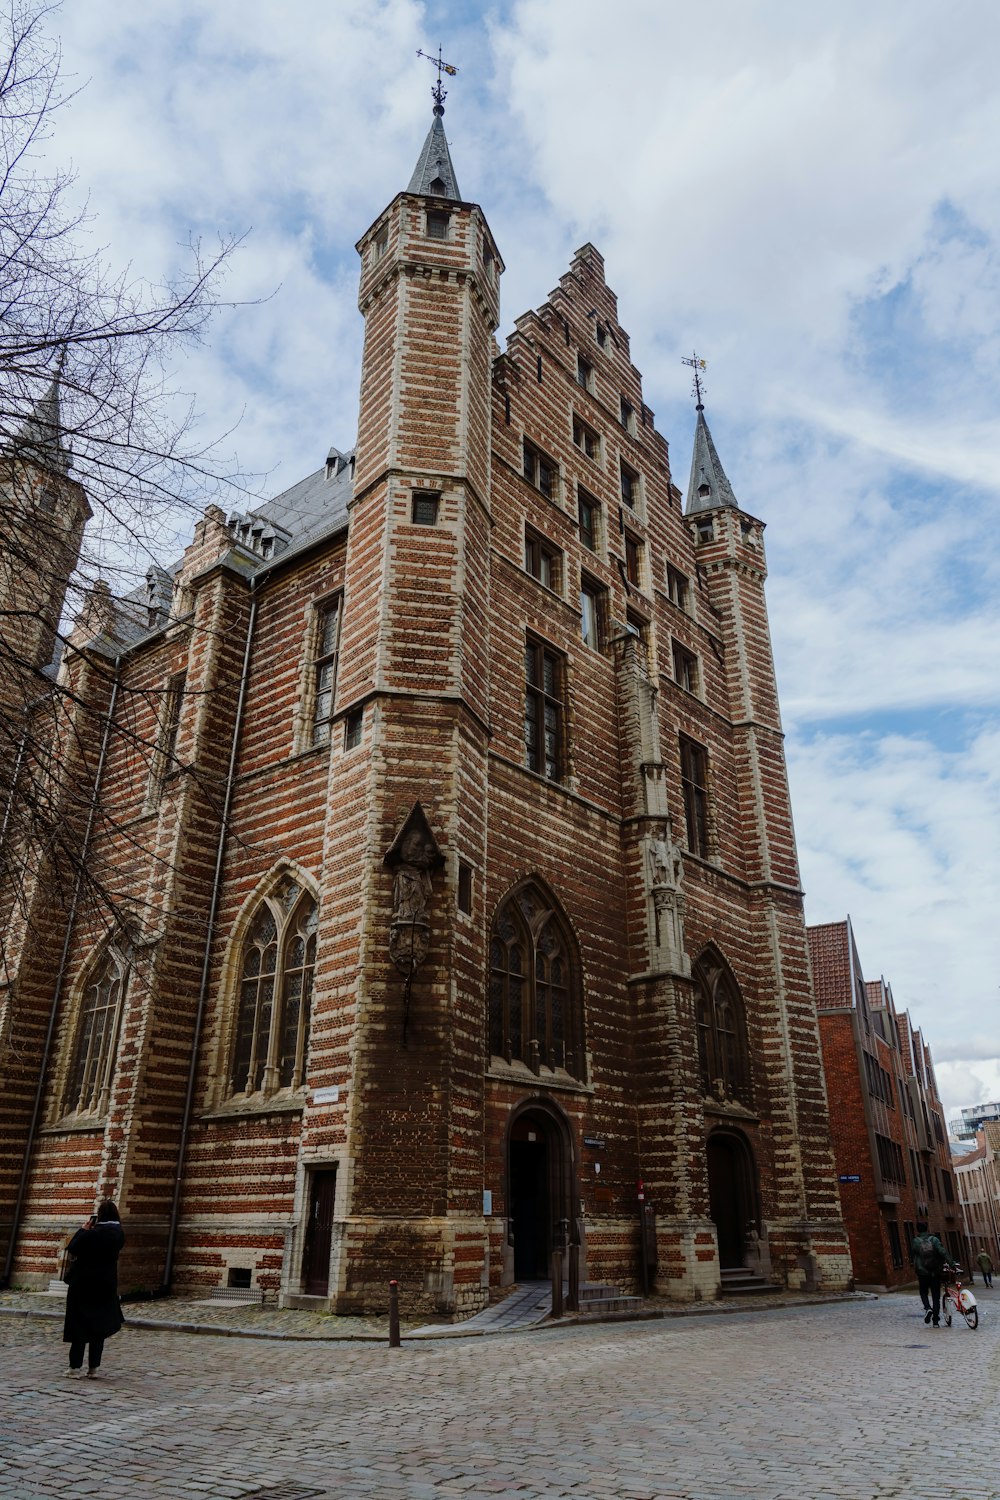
(930, 1258)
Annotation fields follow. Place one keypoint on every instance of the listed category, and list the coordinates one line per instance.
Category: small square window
(586, 439)
(424, 509)
(705, 529)
(542, 560)
(589, 517)
(438, 224)
(353, 725)
(585, 373)
(541, 471)
(465, 888)
(685, 668)
(677, 588)
(630, 486)
(593, 607)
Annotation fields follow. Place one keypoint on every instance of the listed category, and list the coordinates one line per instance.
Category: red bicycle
(956, 1298)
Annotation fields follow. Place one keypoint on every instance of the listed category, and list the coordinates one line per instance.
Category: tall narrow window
(325, 669)
(592, 609)
(677, 588)
(586, 439)
(630, 486)
(543, 710)
(535, 1008)
(585, 373)
(164, 757)
(588, 514)
(276, 975)
(722, 1034)
(633, 560)
(685, 667)
(88, 1086)
(694, 783)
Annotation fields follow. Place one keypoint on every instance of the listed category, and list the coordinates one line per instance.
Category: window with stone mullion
(272, 1022)
(531, 1016)
(89, 1084)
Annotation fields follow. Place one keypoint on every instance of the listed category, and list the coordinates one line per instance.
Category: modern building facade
(451, 912)
(894, 1166)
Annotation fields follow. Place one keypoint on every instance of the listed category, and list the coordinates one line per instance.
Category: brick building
(893, 1161)
(977, 1178)
(452, 883)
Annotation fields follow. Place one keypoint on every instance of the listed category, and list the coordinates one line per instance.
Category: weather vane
(438, 92)
(697, 390)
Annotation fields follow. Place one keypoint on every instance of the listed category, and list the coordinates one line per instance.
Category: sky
(805, 194)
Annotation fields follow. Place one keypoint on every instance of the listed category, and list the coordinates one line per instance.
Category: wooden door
(319, 1233)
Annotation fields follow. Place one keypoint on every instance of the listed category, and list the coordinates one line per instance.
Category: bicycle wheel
(946, 1311)
(971, 1316)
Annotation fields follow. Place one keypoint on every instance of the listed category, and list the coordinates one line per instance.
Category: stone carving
(665, 876)
(413, 856)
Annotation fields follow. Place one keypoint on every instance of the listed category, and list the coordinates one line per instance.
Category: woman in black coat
(93, 1312)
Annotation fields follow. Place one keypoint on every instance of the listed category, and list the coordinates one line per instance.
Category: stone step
(741, 1283)
(618, 1302)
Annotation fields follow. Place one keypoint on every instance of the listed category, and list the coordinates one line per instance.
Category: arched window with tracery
(88, 1083)
(535, 1013)
(723, 1052)
(277, 960)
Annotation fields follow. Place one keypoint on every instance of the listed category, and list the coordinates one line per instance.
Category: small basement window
(240, 1276)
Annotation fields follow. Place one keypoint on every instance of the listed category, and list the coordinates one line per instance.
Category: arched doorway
(540, 1196)
(732, 1195)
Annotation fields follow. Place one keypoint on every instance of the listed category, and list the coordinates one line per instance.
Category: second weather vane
(698, 389)
(440, 95)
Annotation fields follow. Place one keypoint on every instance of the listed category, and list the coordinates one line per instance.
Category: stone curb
(456, 1331)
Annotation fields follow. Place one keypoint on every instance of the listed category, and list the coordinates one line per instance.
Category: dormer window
(438, 223)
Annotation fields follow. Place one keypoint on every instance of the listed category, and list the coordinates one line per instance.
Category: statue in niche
(665, 867)
(413, 856)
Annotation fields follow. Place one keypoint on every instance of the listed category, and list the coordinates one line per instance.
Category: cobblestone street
(855, 1400)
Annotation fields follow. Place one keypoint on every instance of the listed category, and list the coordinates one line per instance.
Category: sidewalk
(523, 1308)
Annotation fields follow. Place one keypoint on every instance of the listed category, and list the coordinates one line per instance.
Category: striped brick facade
(464, 1151)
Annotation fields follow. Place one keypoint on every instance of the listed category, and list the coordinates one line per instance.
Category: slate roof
(434, 164)
(707, 474)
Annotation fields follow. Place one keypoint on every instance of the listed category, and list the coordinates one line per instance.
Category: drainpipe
(175, 1207)
(15, 778)
(60, 977)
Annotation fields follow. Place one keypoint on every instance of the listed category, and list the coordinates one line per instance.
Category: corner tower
(415, 666)
(804, 1222)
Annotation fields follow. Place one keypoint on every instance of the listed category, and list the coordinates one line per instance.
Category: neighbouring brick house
(893, 1160)
(444, 808)
(977, 1177)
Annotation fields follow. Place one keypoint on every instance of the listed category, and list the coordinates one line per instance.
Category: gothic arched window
(722, 1033)
(534, 1011)
(88, 1085)
(278, 956)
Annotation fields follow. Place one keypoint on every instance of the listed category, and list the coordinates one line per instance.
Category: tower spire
(41, 437)
(708, 486)
(434, 175)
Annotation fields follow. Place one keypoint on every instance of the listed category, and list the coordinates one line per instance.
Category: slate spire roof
(434, 174)
(41, 437)
(708, 486)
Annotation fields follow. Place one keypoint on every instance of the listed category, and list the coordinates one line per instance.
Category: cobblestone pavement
(855, 1400)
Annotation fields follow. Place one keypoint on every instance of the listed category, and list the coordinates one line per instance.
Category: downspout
(175, 1207)
(60, 978)
(15, 778)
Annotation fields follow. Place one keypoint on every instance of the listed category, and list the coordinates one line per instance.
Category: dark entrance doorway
(731, 1196)
(530, 1198)
(319, 1233)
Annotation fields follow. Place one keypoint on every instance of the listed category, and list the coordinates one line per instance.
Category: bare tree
(97, 464)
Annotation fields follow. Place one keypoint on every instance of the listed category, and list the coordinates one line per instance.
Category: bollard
(557, 1284)
(573, 1278)
(394, 1339)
